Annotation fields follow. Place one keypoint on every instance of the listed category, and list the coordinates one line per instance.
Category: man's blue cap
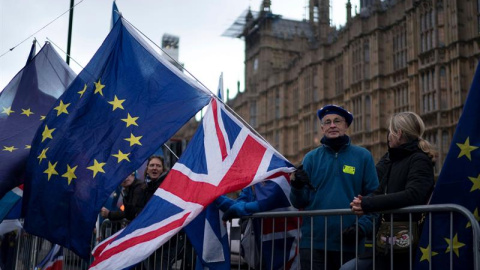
(335, 109)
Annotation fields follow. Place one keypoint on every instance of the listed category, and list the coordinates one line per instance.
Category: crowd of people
(335, 175)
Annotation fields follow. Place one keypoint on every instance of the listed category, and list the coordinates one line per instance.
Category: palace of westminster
(392, 56)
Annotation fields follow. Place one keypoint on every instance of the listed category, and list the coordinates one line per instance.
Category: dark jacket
(152, 186)
(133, 202)
(406, 178)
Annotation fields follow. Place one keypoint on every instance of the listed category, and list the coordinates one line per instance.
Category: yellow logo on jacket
(348, 169)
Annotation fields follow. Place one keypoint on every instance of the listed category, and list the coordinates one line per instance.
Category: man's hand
(224, 203)
(300, 178)
(240, 209)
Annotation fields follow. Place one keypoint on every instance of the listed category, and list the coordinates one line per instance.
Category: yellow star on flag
(122, 156)
(117, 103)
(27, 112)
(466, 149)
(9, 149)
(455, 244)
(82, 91)
(42, 117)
(476, 183)
(51, 170)
(426, 252)
(28, 146)
(130, 120)
(98, 87)
(61, 108)
(7, 111)
(47, 133)
(97, 167)
(133, 140)
(70, 174)
(477, 217)
(42, 155)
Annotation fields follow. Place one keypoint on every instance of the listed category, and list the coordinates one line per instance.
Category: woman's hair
(412, 128)
(148, 162)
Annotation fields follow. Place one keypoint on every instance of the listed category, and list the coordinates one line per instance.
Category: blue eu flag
(23, 104)
(458, 183)
(117, 112)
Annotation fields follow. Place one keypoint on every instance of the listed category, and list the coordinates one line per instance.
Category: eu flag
(458, 183)
(23, 104)
(117, 112)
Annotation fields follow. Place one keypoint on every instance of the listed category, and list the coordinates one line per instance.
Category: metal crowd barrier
(179, 254)
(428, 210)
(29, 251)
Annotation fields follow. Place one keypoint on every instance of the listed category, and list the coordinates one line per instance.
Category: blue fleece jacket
(337, 178)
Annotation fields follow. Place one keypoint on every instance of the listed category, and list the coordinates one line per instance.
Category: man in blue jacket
(331, 176)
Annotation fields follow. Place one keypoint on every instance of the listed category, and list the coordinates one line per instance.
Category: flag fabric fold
(117, 112)
(223, 156)
(53, 260)
(10, 202)
(115, 14)
(458, 183)
(208, 235)
(23, 103)
(279, 236)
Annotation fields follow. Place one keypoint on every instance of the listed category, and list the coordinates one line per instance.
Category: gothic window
(401, 98)
(314, 85)
(478, 15)
(271, 100)
(366, 59)
(307, 84)
(399, 47)
(255, 65)
(429, 91)
(357, 62)
(357, 114)
(307, 128)
(339, 79)
(295, 99)
(427, 28)
(277, 104)
(443, 87)
(253, 113)
(368, 113)
(277, 139)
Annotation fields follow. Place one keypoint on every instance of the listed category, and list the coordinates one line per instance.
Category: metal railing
(428, 210)
(30, 250)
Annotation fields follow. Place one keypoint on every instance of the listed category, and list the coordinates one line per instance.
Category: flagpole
(69, 40)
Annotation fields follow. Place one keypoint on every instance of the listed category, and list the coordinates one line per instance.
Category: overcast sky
(198, 23)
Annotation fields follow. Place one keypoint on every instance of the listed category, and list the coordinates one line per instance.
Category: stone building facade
(395, 55)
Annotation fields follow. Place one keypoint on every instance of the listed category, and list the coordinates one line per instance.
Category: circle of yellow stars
(96, 166)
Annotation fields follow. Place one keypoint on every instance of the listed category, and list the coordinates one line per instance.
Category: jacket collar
(403, 150)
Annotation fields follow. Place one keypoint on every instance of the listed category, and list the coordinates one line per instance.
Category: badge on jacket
(349, 169)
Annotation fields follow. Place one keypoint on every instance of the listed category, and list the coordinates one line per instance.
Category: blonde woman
(406, 178)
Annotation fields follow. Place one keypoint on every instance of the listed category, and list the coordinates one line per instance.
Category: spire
(349, 11)
(265, 7)
(249, 17)
(320, 17)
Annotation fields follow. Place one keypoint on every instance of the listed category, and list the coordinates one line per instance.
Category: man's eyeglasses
(329, 122)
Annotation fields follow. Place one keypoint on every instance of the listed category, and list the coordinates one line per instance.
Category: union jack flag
(279, 236)
(222, 157)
